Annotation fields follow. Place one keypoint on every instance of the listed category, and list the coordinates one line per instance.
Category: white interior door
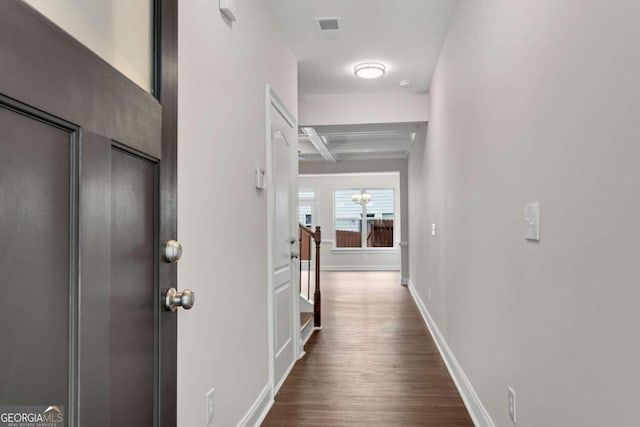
(285, 321)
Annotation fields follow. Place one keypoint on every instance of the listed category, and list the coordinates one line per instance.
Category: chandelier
(361, 198)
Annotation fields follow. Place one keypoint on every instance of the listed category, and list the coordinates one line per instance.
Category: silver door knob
(175, 299)
(294, 255)
(172, 251)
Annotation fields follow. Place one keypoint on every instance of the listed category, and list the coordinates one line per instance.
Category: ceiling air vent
(328, 24)
(328, 28)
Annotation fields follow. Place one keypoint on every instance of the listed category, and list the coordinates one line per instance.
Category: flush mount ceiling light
(369, 70)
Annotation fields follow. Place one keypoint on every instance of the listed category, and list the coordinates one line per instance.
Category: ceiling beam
(319, 143)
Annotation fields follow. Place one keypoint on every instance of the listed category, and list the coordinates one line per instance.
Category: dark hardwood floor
(374, 363)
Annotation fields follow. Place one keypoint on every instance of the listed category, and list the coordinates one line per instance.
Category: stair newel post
(316, 296)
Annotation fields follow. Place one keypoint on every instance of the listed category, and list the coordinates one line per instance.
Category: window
(379, 213)
(359, 209)
(304, 214)
(306, 207)
(348, 220)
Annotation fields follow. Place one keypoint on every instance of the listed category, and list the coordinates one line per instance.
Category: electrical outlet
(512, 404)
(433, 230)
(210, 405)
(429, 295)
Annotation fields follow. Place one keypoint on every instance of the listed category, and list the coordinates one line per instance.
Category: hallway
(373, 363)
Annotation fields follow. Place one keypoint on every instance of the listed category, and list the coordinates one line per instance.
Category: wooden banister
(307, 230)
(317, 318)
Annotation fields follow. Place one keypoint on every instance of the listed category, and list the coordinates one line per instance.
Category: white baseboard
(259, 409)
(404, 281)
(286, 375)
(360, 268)
(306, 332)
(477, 411)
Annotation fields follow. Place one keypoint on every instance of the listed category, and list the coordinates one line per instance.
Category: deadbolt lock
(172, 251)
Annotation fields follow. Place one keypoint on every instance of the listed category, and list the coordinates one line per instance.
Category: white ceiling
(405, 35)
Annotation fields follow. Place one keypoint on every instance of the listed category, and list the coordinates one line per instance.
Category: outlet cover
(512, 405)
(210, 400)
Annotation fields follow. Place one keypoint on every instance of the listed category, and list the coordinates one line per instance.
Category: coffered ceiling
(352, 142)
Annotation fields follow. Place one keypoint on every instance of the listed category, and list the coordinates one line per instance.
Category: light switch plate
(512, 405)
(229, 9)
(210, 405)
(261, 182)
(532, 221)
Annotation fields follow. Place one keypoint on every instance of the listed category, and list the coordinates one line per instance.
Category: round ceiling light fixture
(369, 70)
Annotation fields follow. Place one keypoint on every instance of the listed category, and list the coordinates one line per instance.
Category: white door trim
(273, 100)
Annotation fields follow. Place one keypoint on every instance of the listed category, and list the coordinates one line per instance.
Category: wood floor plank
(374, 363)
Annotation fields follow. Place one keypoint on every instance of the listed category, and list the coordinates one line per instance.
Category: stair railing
(306, 255)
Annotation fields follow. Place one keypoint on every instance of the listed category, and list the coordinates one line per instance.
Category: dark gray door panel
(36, 223)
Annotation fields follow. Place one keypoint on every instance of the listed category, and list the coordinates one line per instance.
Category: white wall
(536, 101)
(222, 342)
(119, 31)
(347, 109)
(324, 186)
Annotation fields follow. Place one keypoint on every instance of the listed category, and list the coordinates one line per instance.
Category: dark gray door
(87, 197)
